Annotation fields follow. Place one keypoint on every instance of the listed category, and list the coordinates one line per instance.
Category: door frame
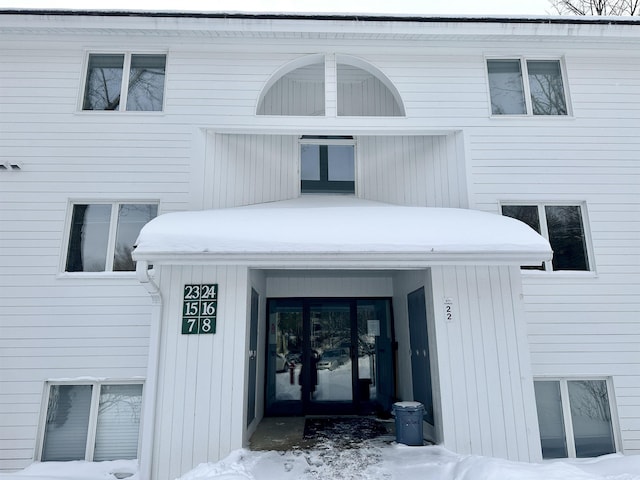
(306, 406)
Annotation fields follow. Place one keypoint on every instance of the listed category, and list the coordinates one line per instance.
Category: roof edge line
(532, 19)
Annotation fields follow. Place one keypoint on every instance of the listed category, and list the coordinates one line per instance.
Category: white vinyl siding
(453, 155)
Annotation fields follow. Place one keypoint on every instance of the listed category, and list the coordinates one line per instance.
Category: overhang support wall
(485, 379)
(199, 408)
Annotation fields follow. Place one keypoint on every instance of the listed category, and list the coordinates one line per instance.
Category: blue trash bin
(409, 422)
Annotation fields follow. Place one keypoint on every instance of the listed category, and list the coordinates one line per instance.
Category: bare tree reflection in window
(131, 218)
(547, 89)
(104, 82)
(146, 83)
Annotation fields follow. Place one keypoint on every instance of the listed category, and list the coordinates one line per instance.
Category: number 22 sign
(199, 309)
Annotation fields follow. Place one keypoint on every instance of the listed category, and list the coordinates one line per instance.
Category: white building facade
(321, 207)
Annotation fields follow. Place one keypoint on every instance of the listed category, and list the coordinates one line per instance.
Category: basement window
(574, 418)
(92, 421)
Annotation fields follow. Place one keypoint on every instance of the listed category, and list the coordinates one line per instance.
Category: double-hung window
(563, 226)
(575, 418)
(125, 81)
(102, 235)
(91, 421)
(526, 87)
(327, 165)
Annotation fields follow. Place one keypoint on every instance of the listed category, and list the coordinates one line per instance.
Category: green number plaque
(199, 309)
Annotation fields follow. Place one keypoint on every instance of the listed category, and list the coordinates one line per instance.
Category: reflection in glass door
(330, 366)
(330, 356)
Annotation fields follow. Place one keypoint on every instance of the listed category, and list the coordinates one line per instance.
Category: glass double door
(328, 356)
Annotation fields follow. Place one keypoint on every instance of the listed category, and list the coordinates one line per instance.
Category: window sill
(528, 117)
(152, 113)
(559, 273)
(97, 275)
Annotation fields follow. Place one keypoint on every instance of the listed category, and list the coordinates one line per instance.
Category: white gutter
(150, 388)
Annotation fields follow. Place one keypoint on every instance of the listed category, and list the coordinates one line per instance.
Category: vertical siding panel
(493, 374)
(468, 348)
(463, 405)
(483, 392)
(502, 343)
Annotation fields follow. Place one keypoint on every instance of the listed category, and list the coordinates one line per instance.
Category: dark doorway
(329, 356)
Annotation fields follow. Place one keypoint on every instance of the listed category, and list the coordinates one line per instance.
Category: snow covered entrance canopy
(338, 231)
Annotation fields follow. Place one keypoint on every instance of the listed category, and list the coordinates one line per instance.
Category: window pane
(341, 163)
(104, 82)
(529, 215)
(300, 92)
(118, 422)
(65, 435)
(566, 235)
(310, 162)
(591, 418)
(131, 219)
(547, 90)
(550, 419)
(88, 238)
(505, 85)
(146, 82)
(361, 93)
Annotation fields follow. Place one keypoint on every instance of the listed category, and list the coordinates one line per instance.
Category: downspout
(151, 384)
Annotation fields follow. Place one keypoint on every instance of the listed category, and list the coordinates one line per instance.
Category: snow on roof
(340, 226)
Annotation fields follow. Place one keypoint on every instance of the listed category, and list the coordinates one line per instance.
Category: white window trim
(548, 265)
(113, 227)
(124, 91)
(93, 412)
(566, 410)
(328, 141)
(524, 71)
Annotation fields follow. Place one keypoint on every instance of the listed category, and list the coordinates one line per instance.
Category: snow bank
(406, 463)
(337, 224)
(80, 470)
(375, 460)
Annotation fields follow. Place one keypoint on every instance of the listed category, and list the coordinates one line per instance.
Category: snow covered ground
(374, 460)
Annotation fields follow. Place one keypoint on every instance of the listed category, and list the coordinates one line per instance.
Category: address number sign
(200, 309)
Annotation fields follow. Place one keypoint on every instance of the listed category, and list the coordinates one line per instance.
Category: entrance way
(329, 356)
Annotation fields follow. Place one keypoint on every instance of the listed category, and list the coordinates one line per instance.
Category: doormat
(344, 431)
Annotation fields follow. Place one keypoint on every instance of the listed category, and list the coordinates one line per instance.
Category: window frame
(93, 412)
(526, 89)
(328, 141)
(111, 241)
(544, 232)
(566, 411)
(124, 84)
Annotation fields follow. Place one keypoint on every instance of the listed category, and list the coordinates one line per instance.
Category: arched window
(364, 91)
(358, 89)
(298, 89)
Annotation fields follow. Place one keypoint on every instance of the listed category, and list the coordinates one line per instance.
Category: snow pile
(374, 460)
(337, 224)
(400, 462)
(79, 470)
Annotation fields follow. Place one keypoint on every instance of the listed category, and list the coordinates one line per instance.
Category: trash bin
(408, 422)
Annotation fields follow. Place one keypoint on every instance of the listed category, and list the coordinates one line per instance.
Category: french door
(329, 356)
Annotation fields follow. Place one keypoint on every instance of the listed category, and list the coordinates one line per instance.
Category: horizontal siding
(68, 155)
(581, 324)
